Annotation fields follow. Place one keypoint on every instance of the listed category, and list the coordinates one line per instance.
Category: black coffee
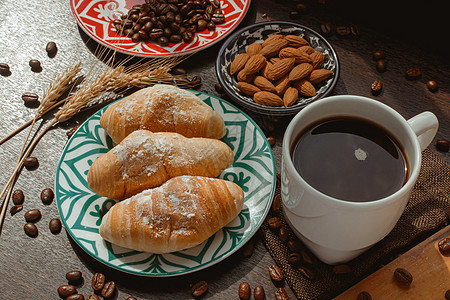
(350, 159)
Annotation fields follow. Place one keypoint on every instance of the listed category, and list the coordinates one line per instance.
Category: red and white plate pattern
(95, 18)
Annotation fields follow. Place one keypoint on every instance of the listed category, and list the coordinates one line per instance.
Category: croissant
(162, 108)
(180, 214)
(145, 160)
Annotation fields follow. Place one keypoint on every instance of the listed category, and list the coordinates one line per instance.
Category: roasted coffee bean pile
(169, 21)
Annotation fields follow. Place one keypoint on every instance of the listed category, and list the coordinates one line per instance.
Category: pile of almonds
(280, 69)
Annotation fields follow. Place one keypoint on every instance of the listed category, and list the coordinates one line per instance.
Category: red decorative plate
(95, 18)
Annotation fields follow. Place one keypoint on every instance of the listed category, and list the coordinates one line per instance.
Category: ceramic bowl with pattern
(240, 40)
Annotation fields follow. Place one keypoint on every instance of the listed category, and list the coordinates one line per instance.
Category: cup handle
(425, 126)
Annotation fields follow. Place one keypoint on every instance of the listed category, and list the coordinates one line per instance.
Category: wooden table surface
(33, 268)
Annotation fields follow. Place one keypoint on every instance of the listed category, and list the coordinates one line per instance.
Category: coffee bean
(381, 65)
(325, 28)
(443, 145)
(33, 215)
(93, 297)
(51, 49)
(199, 289)
(281, 294)
(354, 29)
(376, 87)
(35, 65)
(276, 204)
(447, 295)
(66, 290)
(294, 15)
(179, 71)
(341, 269)
(377, 55)
(275, 273)
(413, 73)
(18, 197)
(244, 291)
(343, 30)
(403, 277)
(74, 277)
(272, 141)
(248, 248)
(75, 297)
(131, 298)
(30, 98)
(31, 163)
(15, 209)
(55, 226)
(259, 293)
(31, 230)
(219, 88)
(47, 196)
(71, 131)
(4, 69)
(432, 85)
(306, 272)
(275, 223)
(444, 246)
(364, 296)
(294, 258)
(109, 289)
(283, 234)
(294, 246)
(306, 258)
(98, 281)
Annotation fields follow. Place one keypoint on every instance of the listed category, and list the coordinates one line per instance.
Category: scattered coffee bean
(354, 29)
(447, 295)
(294, 15)
(98, 281)
(199, 289)
(306, 272)
(71, 131)
(364, 296)
(66, 290)
(294, 245)
(376, 87)
(444, 246)
(275, 273)
(47, 196)
(31, 163)
(283, 234)
(275, 223)
(248, 248)
(264, 15)
(4, 69)
(281, 294)
(75, 297)
(93, 297)
(74, 277)
(196, 81)
(15, 209)
(244, 291)
(403, 277)
(33, 215)
(432, 85)
(443, 145)
(109, 289)
(18, 197)
(381, 65)
(276, 204)
(294, 258)
(51, 49)
(131, 298)
(272, 141)
(219, 88)
(377, 55)
(35, 65)
(325, 28)
(341, 269)
(30, 98)
(343, 30)
(413, 73)
(259, 293)
(179, 71)
(55, 226)
(31, 230)
(306, 257)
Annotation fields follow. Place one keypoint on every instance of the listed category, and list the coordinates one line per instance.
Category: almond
(296, 41)
(267, 98)
(305, 88)
(254, 64)
(264, 84)
(253, 49)
(290, 96)
(266, 68)
(273, 48)
(280, 68)
(300, 71)
(247, 88)
(241, 76)
(319, 75)
(300, 56)
(307, 49)
(274, 59)
(238, 63)
(317, 59)
(282, 84)
(271, 38)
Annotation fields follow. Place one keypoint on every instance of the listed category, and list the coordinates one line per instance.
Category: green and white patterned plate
(81, 209)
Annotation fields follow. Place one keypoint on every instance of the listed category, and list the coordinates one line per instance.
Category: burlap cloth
(428, 210)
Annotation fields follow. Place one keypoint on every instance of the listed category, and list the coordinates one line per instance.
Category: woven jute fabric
(427, 211)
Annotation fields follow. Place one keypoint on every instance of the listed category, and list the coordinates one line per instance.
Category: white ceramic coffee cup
(337, 231)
